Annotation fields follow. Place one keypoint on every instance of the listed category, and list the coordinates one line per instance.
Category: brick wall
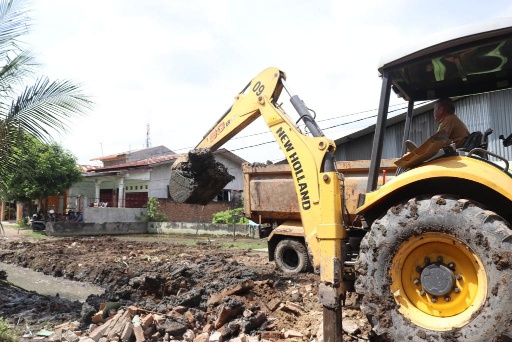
(177, 212)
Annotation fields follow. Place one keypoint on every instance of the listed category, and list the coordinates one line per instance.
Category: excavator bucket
(198, 178)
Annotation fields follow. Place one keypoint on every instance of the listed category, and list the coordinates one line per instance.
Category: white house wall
(82, 189)
(235, 170)
(159, 180)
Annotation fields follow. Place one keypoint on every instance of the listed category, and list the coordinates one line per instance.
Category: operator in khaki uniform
(444, 113)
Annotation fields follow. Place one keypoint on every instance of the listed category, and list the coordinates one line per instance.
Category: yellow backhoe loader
(429, 251)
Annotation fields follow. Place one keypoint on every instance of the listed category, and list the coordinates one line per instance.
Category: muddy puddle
(48, 285)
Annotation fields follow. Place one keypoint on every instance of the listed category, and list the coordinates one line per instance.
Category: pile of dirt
(190, 179)
(196, 290)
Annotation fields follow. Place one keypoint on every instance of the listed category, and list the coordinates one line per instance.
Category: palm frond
(14, 21)
(14, 72)
(11, 143)
(48, 106)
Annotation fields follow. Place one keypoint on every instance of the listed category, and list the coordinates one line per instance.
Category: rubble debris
(240, 288)
(182, 293)
(198, 180)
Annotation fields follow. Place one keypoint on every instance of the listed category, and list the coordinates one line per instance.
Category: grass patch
(244, 244)
(26, 231)
(7, 333)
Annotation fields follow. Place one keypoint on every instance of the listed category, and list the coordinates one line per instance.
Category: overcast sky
(177, 65)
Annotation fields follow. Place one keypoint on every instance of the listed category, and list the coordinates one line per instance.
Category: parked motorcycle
(37, 224)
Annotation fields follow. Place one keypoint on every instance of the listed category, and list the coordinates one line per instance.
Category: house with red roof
(127, 180)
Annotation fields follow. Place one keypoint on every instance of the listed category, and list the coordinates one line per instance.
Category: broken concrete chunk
(273, 304)
(99, 332)
(292, 334)
(189, 335)
(86, 339)
(215, 337)
(227, 312)
(293, 308)
(190, 317)
(127, 331)
(253, 322)
(139, 333)
(350, 327)
(174, 326)
(241, 288)
(147, 321)
(69, 336)
(272, 335)
(202, 337)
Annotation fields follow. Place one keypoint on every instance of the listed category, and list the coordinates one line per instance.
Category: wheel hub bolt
(439, 259)
(416, 281)
(458, 276)
(422, 292)
(427, 260)
(419, 269)
(447, 298)
(433, 300)
(456, 290)
(451, 265)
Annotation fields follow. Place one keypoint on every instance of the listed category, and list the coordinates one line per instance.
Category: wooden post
(19, 211)
(2, 211)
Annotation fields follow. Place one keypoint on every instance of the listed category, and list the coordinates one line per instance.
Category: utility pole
(148, 138)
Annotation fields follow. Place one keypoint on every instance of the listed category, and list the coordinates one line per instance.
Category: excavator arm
(316, 180)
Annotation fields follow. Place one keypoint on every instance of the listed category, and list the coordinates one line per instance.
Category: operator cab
(469, 60)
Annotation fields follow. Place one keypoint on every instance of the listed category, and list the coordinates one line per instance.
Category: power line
(324, 129)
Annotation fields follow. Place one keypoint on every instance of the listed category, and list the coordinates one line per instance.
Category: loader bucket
(198, 180)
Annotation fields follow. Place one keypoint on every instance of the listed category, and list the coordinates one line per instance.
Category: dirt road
(193, 289)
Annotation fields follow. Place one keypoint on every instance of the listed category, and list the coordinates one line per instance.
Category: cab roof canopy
(468, 60)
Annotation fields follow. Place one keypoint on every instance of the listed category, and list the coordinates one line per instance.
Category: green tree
(39, 109)
(43, 170)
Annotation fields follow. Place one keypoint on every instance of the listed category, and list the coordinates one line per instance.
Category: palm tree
(36, 110)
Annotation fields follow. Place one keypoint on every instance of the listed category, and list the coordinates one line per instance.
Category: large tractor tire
(291, 256)
(437, 269)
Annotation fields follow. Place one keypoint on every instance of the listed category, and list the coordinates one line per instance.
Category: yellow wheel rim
(447, 301)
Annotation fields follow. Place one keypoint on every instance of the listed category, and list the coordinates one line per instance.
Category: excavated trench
(46, 285)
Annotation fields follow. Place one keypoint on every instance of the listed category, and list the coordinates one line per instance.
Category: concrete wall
(88, 229)
(113, 215)
(124, 228)
(190, 228)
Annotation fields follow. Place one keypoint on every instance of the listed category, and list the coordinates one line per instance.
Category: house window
(136, 187)
(146, 187)
(224, 196)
